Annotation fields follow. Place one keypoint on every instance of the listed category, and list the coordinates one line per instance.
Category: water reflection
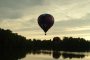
(66, 55)
(19, 54)
(58, 54)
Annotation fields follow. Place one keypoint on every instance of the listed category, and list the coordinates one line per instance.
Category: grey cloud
(13, 9)
(65, 2)
(85, 21)
(32, 22)
(7, 13)
(19, 3)
(30, 25)
(10, 14)
(59, 27)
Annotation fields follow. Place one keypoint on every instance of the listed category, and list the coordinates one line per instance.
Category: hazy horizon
(72, 17)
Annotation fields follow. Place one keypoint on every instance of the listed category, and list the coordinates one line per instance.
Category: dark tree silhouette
(14, 46)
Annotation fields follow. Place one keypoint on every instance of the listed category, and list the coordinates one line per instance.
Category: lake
(57, 56)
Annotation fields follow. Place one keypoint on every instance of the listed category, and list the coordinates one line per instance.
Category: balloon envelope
(45, 21)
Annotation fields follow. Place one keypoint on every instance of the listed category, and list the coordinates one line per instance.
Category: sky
(72, 17)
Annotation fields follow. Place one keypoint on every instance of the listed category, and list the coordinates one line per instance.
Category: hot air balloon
(45, 21)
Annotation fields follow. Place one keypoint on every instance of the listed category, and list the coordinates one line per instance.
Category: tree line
(14, 46)
(9, 40)
(66, 44)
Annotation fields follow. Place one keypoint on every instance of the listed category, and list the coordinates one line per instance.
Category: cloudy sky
(72, 17)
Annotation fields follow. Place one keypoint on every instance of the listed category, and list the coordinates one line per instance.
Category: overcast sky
(72, 17)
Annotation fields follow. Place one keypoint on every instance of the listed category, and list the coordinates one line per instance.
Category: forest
(16, 46)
